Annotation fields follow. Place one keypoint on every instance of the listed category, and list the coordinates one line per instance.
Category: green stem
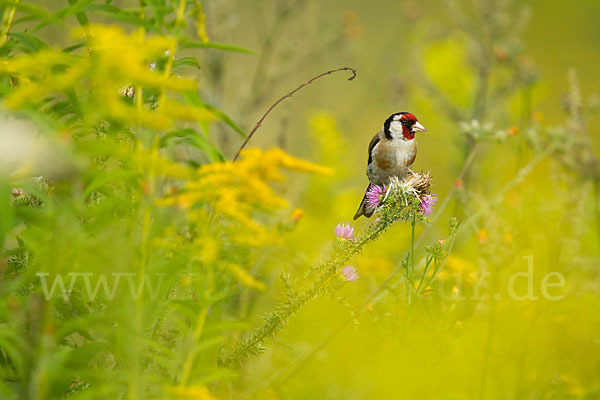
(188, 363)
(412, 244)
(147, 222)
(83, 20)
(428, 262)
(597, 204)
(7, 20)
(489, 336)
(275, 320)
(439, 267)
(411, 267)
(179, 22)
(442, 207)
(519, 177)
(191, 355)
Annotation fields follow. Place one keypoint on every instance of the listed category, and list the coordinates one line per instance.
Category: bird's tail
(364, 208)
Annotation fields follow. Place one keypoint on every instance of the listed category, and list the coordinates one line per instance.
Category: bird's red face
(404, 124)
(408, 120)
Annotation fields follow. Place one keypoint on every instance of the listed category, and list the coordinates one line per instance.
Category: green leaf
(207, 343)
(214, 374)
(160, 9)
(180, 133)
(189, 61)
(79, 325)
(225, 118)
(28, 42)
(185, 43)
(114, 176)
(119, 14)
(13, 345)
(26, 18)
(6, 210)
(81, 16)
(190, 307)
(196, 140)
(82, 355)
(35, 12)
(73, 9)
(74, 47)
(194, 99)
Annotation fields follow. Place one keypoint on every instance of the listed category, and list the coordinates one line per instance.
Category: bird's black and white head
(403, 126)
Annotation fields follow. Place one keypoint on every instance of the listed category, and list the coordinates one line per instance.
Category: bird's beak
(417, 127)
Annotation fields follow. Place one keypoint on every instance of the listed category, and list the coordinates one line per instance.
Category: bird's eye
(405, 122)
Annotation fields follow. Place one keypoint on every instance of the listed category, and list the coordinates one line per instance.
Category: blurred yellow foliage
(153, 163)
(217, 229)
(458, 267)
(236, 189)
(194, 392)
(445, 66)
(374, 266)
(352, 28)
(327, 137)
(111, 60)
(200, 22)
(244, 277)
(297, 214)
(458, 264)
(209, 250)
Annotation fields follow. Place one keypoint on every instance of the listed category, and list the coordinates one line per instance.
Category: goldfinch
(392, 152)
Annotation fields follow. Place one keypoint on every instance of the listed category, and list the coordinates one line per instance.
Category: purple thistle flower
(374, 193)
(426, 204)
(349, 273)
(344, 231)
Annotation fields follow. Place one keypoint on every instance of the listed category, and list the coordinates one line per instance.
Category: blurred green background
(416, 56)
(508, 91)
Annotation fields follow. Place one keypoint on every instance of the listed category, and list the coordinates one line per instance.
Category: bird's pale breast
(391, 158)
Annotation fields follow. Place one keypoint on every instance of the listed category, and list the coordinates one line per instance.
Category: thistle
(401, 202)
(344, 231)
(426, 204)
(374, 196)
(349, 273)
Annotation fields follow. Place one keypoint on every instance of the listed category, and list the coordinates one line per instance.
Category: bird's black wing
(372, 144)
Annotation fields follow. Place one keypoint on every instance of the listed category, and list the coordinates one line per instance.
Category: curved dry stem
(260, 121)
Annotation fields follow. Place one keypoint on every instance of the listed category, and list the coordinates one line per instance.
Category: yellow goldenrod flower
(113, 60)
(482, 236)
(240, 190)
(537, 116)
(244, 277)
(194, 392)
(297, 214)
